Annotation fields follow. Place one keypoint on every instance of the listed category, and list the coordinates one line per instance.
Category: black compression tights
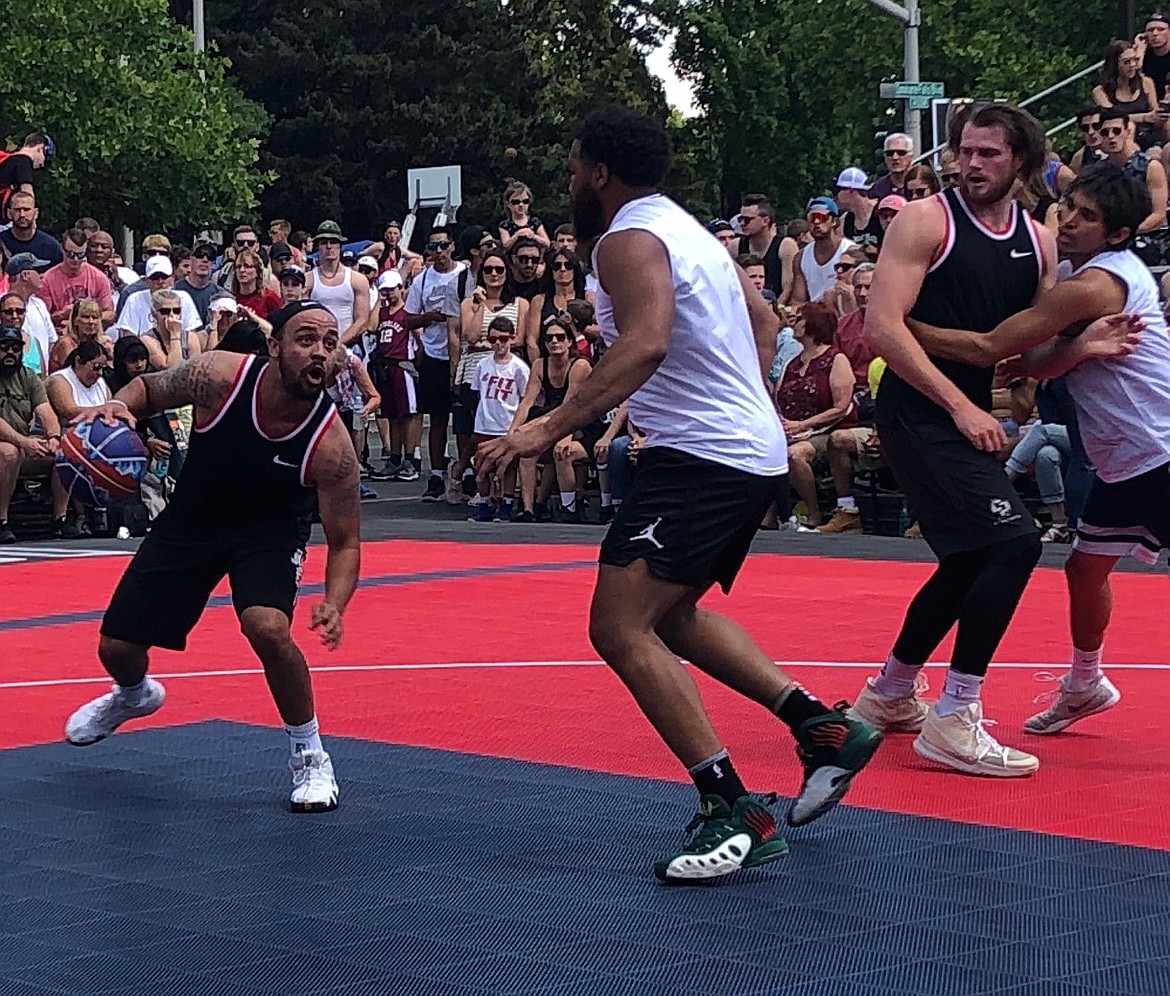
(977, 588)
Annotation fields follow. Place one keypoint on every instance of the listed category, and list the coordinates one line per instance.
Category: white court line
(469, 665)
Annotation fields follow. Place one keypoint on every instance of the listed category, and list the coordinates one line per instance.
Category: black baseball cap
(717, 225)
(282, 316)
(10, 333)
(281, 250)
(292, 274)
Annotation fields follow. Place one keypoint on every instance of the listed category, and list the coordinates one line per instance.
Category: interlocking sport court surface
(503, 800)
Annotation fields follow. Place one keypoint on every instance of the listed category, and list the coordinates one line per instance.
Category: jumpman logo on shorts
(648, 533)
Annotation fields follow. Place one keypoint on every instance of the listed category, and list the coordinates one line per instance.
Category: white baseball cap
(391, 278)
(852, 178)
(368, 262)
(159, 266)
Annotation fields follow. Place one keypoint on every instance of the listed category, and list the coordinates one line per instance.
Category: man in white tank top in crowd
(1118, 372)
(689, 341)
(813, 270)
(343, 291)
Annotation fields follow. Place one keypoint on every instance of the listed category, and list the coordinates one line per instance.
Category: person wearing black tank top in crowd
(555, 376)
(267, 437)
(563, 281)
(965, 259)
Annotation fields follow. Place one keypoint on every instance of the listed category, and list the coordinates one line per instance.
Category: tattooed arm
(203, 382)
(334, 472)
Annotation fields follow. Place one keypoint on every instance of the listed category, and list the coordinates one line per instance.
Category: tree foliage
(148, 134)
(359, 92)
(788, 89)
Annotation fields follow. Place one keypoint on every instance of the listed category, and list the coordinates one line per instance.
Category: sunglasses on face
(75, 254)
(207, 254)
(495, 270)
(486, 245)
(156, 252)
(169, 311)
(499, 338)
(914, 193)
(520, 200)
(818, 217)
(11, 311)
(246, 243)
(1111, 132)
(1089, 126)
(744, 219)
(439, 246)
(555, 337)
(366, 269)
(12, 344)
(562, 264)
(889, 153)
(528, 260)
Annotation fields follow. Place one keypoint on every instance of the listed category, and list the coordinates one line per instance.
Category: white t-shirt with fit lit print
(500, 386)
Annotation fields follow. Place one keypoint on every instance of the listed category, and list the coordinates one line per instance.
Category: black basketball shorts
(691, 520)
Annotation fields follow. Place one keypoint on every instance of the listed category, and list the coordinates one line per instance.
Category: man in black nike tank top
(266, 439)
(967, 258)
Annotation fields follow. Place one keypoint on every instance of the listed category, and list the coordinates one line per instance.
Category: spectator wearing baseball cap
(859, 221)
(724, 231)
(814, 268)
(24, 279)
(1153, 47)
(292, 283)
(137, 317)
(888, 207)
(197, 283)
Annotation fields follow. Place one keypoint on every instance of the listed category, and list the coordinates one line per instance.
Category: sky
(678, 93)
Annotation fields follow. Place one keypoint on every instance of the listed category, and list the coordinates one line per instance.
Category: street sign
(919, 103)
(905, 89)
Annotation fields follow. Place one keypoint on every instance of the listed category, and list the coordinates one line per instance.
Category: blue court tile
(446, 874)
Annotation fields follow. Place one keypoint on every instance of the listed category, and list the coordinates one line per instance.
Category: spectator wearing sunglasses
(839, 296)
(502, 380)
(137, 318)
(79, 383)
(32, 357)
(243, 237)
(72, 279)
(724, 231)
(526, 266)
(197, 283)
(24, 279)
(16, 172)
(948, 166)
(154, 246)
(556, 375)
(492, 298)
(859, 220)
(563, 281)
(1123, 85)
(1089, 129)
(898, 155)
(1117, 142)
(519, 221)
(813, 270)
(168, 344)
(757, 222)
(85, 325)
(432, 304)
(921, 182)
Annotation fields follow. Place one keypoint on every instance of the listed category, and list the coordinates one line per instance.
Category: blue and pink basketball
(101, 464)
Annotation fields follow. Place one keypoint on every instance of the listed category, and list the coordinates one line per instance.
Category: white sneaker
(961, 741)
(314, 787)
(1068, 706)
(100, 717)
(890, 714)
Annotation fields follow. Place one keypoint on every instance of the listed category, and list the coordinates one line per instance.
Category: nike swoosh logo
(284, 463)
(1016, 254)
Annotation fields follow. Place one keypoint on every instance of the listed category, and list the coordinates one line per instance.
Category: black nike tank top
(237, 477)
(980, 279)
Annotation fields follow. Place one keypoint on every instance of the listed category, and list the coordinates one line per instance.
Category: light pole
(197, 24)
(910, 17)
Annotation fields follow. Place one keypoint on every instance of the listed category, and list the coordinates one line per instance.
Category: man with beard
(689, 343)
(265, 434)
(24, 236)
(967, 259)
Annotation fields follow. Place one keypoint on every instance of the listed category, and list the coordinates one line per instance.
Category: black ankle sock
(794, 706)
(717, 776)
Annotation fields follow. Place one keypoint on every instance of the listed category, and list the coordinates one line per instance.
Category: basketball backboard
(432, 186)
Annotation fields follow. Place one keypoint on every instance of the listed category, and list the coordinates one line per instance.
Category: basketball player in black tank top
(266, 438)
(965, 259)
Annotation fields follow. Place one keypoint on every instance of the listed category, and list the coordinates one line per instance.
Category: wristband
(56, 436)
(118, 401)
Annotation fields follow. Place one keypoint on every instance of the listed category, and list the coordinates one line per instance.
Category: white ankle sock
(304, 737)
(133, 694)
(568, 500)
(960, 690)
(848, 504)
(896, 679)
(1086, 669)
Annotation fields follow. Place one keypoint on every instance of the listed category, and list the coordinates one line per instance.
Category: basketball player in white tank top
(1118, 372)
(689, 341)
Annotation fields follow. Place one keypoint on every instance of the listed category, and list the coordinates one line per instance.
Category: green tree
(360, 92)
(148, 134)
(788, 89)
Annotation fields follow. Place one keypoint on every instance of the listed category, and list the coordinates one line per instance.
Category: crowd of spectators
(489, 325)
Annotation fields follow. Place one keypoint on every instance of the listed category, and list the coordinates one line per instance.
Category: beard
(990, 193)
(296, 383)
(587, 215)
